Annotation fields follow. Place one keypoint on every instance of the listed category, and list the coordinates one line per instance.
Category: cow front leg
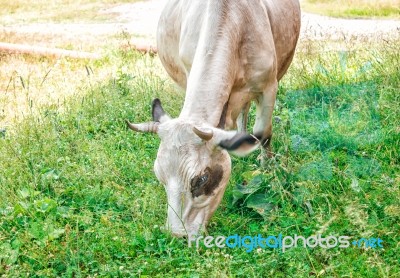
(242, 119)
(263, 125)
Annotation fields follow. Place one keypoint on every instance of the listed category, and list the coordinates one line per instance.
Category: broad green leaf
(249, 175)
(45, 205)
(246, 189)
(259, 203)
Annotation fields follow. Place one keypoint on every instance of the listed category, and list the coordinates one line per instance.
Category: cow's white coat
(224, 54)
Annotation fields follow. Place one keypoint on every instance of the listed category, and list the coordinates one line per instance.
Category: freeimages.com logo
(284, 243)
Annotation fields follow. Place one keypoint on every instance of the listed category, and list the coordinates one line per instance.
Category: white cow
(225, 54)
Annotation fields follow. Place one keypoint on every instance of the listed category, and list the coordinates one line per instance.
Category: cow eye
(203, 179)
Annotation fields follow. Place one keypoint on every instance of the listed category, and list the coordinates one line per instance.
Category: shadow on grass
(330, 119)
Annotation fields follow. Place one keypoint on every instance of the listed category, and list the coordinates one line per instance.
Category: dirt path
(323, 27)
(140, 19)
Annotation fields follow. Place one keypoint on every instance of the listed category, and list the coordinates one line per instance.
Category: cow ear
(158, 112)
(240, 144)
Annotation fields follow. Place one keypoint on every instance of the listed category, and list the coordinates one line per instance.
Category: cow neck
(213, 69)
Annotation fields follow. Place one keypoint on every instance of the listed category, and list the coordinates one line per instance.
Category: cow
(224, 54)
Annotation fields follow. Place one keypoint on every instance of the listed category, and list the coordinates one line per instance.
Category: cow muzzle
(190, 223)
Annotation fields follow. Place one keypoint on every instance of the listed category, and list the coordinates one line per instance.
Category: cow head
(194, 166)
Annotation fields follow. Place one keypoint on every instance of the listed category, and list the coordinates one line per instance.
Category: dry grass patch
(25, 11)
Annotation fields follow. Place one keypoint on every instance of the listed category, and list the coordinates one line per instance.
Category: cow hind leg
(263, 124)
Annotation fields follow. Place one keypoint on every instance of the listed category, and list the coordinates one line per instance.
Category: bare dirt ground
(140, 20)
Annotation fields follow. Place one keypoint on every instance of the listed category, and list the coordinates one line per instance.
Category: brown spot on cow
(207, 182)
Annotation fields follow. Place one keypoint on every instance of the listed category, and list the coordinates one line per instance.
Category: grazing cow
(225, 54)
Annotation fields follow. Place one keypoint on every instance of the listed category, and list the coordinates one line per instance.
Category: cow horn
(205, 133)
(144, 127)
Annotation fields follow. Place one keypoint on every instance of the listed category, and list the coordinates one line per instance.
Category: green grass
(79, 198)
(354, 8)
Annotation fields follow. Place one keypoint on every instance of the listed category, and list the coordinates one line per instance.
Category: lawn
(79, 197)
(354, 8)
